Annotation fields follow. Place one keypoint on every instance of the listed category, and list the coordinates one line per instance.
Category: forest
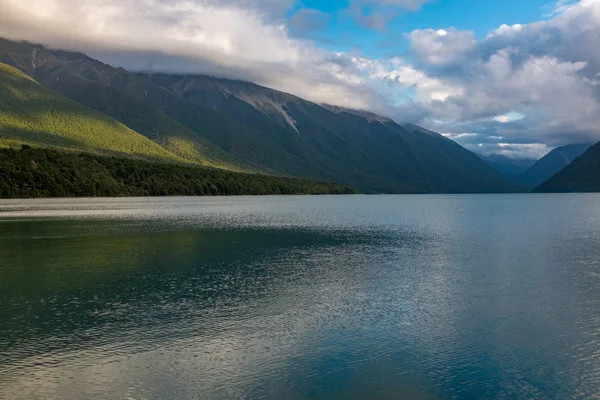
(34, 172)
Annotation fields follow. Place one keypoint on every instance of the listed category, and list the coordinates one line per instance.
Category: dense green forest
(34, 172)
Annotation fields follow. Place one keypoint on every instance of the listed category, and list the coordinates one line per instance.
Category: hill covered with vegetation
(31, 114)
(582, 175)
(550, 164)
(36, 172)
(243, 126)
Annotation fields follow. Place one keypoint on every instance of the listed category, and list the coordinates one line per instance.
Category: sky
(515, 77)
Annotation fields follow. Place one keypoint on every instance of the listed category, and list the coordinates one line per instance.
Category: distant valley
(550, 164)
(509, 167)
(530, 173)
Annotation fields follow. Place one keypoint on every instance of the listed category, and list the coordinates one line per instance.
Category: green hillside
(32, 172)
(31, 114)
(143, 119)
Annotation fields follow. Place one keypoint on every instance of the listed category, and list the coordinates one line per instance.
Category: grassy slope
(32, 114)
(34, 172)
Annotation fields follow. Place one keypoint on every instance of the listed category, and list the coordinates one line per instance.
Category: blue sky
(516, 77)
(342, 33)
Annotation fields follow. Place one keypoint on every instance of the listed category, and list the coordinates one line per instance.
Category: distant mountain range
(550, 164)
(582, 175)
(238, 126)
(509, 167)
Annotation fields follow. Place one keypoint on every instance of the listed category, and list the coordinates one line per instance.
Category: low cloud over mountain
(519, 90)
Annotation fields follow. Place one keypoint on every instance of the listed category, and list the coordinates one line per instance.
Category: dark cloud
(308, 20)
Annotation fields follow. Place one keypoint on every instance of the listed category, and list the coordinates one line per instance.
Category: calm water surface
(353, 297)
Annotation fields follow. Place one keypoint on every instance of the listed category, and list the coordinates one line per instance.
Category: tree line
(36, 172)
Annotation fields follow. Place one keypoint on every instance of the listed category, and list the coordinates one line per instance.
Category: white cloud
(560, 6)
(440, 46)
(509, 117)
(225, 38)
(516, 150)
(548, 71)
(427, 89)
(455, 136)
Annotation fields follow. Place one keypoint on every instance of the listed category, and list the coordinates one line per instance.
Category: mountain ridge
(258, 129)
(553, 162)
(581, 175)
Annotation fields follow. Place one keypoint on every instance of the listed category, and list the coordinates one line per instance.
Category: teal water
(350, 297)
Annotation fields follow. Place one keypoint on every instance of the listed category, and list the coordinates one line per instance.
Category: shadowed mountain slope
(509, 167)
(582, 175)
(550, 164)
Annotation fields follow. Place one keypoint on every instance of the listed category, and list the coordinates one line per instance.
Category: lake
(349, 297)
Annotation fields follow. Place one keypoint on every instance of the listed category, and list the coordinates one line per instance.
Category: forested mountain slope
(240, 125)
(582, 175)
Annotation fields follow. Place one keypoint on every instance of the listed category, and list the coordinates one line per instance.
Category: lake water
(350, 297)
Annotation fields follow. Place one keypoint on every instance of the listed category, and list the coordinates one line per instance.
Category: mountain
(371, 153)
(509, 167)
(240, 125)
(550, 164)
(32, 114)
(582, 175)
(75, 81)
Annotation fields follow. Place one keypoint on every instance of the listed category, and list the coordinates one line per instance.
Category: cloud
(426, 88)
(535, 85)
(369, 19)
(441, 47)
(558, 7)
(307, 20)
(509, 117)
(231, 38)
(527, 86)
(376, 14)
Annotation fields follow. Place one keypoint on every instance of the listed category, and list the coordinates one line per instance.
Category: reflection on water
(348, 297)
